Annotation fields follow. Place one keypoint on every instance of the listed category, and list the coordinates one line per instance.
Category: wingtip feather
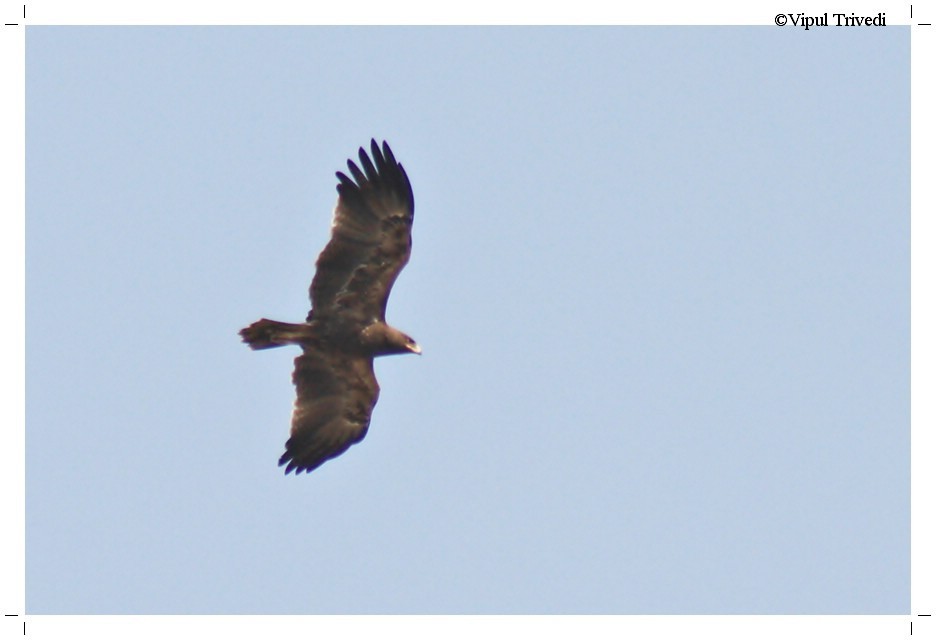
(388, 154)
(367, 165)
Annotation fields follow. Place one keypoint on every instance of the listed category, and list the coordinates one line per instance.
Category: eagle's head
(380, 339)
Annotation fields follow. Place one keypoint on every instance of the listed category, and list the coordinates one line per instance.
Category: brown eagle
(336, 389)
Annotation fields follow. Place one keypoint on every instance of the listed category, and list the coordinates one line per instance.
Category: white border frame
(177, 12)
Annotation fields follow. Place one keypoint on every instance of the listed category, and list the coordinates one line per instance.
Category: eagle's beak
(415, 348)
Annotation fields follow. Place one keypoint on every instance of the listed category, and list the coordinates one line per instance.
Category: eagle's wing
(370, 242)
(335, 394)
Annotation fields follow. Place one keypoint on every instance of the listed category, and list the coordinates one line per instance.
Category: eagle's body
(335, 385)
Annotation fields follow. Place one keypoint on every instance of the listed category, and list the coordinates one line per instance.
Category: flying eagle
(336, 389)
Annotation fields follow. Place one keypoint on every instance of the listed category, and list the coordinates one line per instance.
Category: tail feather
(266, 334)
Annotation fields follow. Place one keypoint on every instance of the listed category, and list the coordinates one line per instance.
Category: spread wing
(335, 394)
(370, 242)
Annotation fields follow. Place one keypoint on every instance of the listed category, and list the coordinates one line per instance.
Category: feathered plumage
(336, 389)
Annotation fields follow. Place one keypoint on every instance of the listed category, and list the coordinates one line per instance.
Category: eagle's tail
(266, 334)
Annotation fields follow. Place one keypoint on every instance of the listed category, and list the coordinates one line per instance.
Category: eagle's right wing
(335, 395)
(370, 242)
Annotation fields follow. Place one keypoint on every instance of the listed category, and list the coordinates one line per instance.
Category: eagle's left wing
(335, 394)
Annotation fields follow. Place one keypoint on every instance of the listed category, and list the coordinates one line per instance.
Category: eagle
(336, 389)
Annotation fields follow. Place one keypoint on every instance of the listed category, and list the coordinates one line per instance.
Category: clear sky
(660, 277)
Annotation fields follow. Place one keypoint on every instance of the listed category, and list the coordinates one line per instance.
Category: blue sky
(660, 277)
